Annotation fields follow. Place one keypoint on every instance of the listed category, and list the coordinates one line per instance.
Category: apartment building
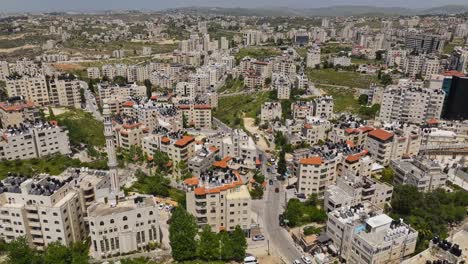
(313, 57)
(411, 105)
(185, 89)
(65, 91)
(177, 146)
(284, 65)
(423, 173)
(424, 43)
(340, 61)
(196, 115)
(430, 67)
(203, 159)
(301, 82)
(236, 144)
(385, 146)
(4, 70)
(251, 37)
(128, 134)
(364, 234)
(395, 57)
(16, 110)
(323, 106)
(201, 81)
(314, 130)
(346, 133)
(109, 91)
(283, 87)
(44, 209)
(31, 88)
(302, 109)
(270, 111)
(315, 173)
(355, 189)
(253, 80)
(413, 64)
(93, 73)
(219, 199)
(33, 140)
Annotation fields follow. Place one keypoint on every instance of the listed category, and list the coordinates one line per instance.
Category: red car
(276, 190)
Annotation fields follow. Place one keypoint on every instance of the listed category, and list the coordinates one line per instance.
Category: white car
(306, 260)
(297, 261)
(161, 206)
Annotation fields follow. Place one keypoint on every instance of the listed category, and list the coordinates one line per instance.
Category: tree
(182, 232)
(387, 175)
(149, 88)
(257, 192)
(386, 79)
(19, 252)
(56, 253)
(120, 80)
(259, 177)
(239, 244)
(226, 251)
(82, 96)
(282, 168)
(208, 247)
(363, 99)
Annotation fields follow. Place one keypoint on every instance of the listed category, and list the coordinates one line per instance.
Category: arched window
(138, 215)
(125, 226)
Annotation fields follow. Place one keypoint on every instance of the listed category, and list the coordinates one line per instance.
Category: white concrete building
(283, 87)
(33, 140)
(363, 234)
(423, 173)
(31, 88)
(313, 57)
(323, 106)
(411, 105)
(270, 111)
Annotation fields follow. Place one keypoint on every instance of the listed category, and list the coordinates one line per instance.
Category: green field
(343, 98)
(53, 165)
(82, 127)
(231, 109)
(259, 53)
(232, 86)
(341, 78)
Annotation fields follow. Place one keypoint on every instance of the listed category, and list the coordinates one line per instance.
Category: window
(112, 221)
(138, 215)
(125, 218)
(125, 226)
(101, 223)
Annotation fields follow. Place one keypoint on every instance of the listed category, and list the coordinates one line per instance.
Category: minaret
(111, 156)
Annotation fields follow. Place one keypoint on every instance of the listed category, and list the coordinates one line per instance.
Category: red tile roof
(357, 156)
(222, 163)
(194, 181)
(128, 104)
(5, 106)
(311, 161)
(381, 134)
(454, 73)
(184, 141)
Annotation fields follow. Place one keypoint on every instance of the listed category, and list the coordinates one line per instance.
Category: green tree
(386, 79)
(363, 99)
(387, 175)
(239, 244)
(282, 168)
(226, 246)
(182, 232)
(257, 192)
(208, 247)
(82, 96)
(120, 80)
(56, 253)
(149, 88)
(19, 252)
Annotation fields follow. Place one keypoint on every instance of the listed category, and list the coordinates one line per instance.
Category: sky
(92, 5)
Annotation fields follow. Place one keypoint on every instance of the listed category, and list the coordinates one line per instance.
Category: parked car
(276, 190)
(301, 196)
(296, 261)
(161, 206)
(306, 260)
(258, 238)
(270, 182)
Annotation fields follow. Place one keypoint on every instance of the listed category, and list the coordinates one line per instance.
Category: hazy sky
(87, 5)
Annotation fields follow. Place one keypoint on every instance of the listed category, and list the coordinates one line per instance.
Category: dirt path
(249, 124)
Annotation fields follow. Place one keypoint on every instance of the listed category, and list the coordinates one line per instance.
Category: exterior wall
(32, 88)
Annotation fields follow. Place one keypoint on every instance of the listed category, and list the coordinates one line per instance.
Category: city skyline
(87, 5)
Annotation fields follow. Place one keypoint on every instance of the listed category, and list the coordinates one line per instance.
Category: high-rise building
(455, 106)
(424, 43)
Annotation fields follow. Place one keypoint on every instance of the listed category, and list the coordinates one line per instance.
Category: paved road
(91, 105)
(268, 210)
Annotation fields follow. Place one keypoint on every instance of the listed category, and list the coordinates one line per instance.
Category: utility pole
(268, 243)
